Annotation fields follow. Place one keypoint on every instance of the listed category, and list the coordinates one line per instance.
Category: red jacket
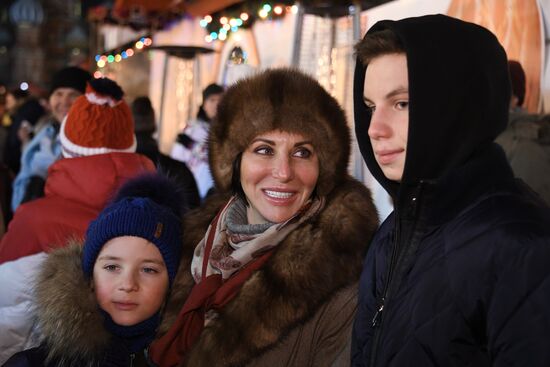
(76, 191)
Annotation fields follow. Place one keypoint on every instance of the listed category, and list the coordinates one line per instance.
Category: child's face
(130, 279)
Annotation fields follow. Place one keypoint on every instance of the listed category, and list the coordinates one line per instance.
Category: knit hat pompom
(148, 206)
(98, 122)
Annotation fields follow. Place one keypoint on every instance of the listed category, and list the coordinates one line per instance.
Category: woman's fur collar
(315, 261)
(67, 310)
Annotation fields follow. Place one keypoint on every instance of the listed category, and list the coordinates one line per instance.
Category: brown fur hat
(280, 99)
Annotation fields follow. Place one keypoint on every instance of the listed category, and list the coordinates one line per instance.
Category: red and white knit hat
(98, 122)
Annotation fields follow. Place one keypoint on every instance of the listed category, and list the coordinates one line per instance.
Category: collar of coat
(67, 310)
(309, 266)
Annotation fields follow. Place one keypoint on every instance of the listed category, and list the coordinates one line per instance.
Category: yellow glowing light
(208, 38)
(118, 58)
(262, 13)
(226, 27)
(278, 10)
(222, 36)
(100, 63)
(208, 18)
(244, 17)
(139, 45)
(294, 9)
(223, 20)
(233, 22)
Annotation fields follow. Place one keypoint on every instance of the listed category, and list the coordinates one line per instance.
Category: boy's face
(386, 93)
(130, 279)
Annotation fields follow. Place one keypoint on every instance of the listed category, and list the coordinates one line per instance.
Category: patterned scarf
(236, 244)
(227, 256)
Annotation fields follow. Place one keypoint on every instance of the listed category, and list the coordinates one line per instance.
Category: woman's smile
(279, 172)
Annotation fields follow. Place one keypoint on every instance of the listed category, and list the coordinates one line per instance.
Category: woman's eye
(302, 153)
(263, 150)
(111, 267)
(370, 108)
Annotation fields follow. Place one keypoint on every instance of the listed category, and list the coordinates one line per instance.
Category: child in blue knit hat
(101, 303)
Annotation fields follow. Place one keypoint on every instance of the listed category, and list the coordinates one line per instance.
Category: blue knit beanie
(149, 207)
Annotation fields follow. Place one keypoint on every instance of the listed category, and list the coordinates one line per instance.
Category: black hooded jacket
(458, 274)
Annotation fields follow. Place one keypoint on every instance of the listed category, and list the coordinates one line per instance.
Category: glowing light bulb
(244, 16)
(278, 10)
(139, 45)
(100, 63)
(262, 13)
(208, 19)
(224, 20)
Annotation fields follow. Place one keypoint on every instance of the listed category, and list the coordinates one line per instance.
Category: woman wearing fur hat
(100, 304)
(270, 263)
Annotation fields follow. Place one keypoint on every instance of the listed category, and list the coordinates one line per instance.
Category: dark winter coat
(70, 321)
(458, 274)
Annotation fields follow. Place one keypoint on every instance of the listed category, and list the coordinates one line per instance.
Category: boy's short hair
(377, 44)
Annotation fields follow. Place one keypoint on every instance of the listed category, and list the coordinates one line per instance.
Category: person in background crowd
(100, 303)
(191, 146)
(145, 127)
(24, 111)
(98, 146)
(45, 148)
(526, 140)
(283, 236)
(458, 274)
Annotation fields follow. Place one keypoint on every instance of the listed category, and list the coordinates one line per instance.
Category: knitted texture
(98, 123)
(148, 207)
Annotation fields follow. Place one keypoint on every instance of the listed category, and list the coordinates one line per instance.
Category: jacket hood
(280, 99)
(67, 311)
(76, 179)
(459, 93)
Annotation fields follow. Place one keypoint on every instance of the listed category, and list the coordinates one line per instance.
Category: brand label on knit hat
(158, 231)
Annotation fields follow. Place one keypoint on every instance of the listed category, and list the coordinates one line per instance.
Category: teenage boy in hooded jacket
(458, 274)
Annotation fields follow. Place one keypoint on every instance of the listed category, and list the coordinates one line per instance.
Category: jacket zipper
(378, 315)
(378, 318)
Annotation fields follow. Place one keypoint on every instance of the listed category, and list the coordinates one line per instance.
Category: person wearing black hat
(191, 146)
(457, 275)
(145, 127)
(67, 84)
(100, 303)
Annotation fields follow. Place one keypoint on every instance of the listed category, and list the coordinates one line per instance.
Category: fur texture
(316, 260)
(67, 309)
(280, 99)
(313, 263)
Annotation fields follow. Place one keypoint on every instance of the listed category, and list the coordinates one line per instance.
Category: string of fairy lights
(115, 57)
(218, 27)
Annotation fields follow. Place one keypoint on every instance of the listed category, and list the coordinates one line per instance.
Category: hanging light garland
(220, 25)
(121, 54)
